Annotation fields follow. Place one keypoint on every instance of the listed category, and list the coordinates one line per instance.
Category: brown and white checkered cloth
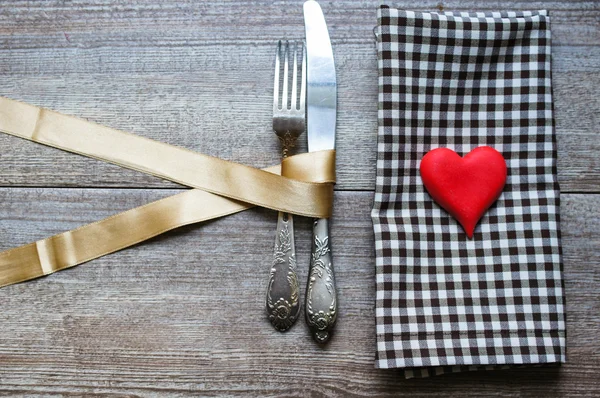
(447, 303)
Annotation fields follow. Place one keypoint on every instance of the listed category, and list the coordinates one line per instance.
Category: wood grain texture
(182, 314)
(98, 23)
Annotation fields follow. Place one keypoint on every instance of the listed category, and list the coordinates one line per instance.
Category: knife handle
(321, 295)
(283, 306)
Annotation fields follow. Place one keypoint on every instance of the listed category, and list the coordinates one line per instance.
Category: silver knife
(321, 102)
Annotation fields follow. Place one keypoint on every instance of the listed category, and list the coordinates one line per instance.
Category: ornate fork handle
(321, 295)
(282, 293)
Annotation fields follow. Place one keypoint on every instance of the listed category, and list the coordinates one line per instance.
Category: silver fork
(289, 121)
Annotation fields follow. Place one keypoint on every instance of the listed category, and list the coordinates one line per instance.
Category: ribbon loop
(311, 167)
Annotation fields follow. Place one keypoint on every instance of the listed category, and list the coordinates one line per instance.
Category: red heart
(466, 187)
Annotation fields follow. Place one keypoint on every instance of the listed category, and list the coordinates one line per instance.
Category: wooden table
(182, 314)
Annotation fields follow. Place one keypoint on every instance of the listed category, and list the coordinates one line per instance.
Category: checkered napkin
(447, 303)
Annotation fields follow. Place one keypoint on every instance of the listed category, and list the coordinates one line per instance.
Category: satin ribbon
(305, 187)
(173, 163)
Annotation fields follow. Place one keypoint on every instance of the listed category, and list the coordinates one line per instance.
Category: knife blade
(321, 107)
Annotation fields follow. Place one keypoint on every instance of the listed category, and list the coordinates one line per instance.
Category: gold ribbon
(180, 165)
(304, 188)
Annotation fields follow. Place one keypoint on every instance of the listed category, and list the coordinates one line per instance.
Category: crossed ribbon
(302, 185)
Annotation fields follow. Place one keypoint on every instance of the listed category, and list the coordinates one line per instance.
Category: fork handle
(282, 293)
(321, 296)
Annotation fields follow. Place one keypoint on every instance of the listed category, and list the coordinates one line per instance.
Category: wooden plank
(211, 101)
(99, 23)
(182, 314)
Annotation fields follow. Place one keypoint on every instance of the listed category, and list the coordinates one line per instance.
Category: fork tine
(295, 78)
(276, 84)
(303, 82)
(284, 95)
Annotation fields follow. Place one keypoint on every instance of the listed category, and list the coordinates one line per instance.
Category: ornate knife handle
(321, 296)
(282, 293)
